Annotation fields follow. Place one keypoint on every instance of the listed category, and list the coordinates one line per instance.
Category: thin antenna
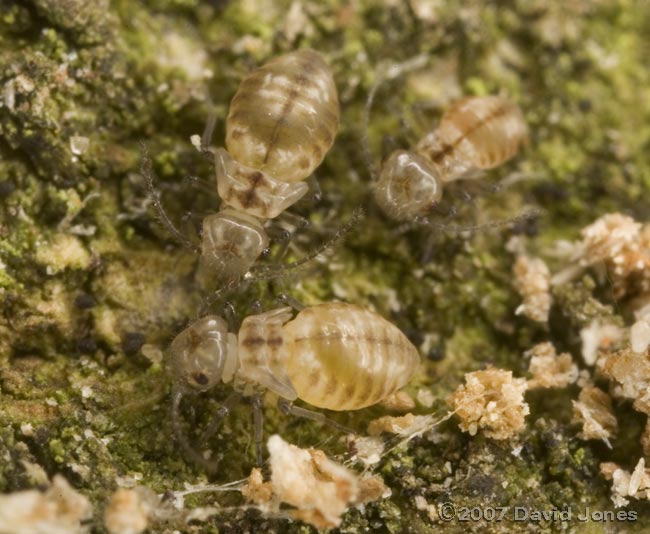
(147, 171)
(265, 273)
(270, 272)
(383, 74)
(453, 228)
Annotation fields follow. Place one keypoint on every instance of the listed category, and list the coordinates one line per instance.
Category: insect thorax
(254, 191)
(263, 349)
(231, 241)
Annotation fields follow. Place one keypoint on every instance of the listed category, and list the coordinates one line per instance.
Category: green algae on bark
(84, 268)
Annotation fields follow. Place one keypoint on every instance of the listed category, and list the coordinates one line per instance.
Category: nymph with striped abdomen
(334, 355)
(281, 123)
(476, 133)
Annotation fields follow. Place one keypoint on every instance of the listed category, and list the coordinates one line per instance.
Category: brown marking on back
(228, 248)
(236, 134)
(366, 389)
(253, 341)
(299, 82)
(304, 162)
(348, 392)
(249, 198)
(332, 386)
(314, 378)
(327, 138)
(447, 149)
(317, 152)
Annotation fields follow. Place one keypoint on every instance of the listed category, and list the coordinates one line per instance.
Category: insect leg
(290, 301)
(220, 415)
(314, 193)
(258, 427)
(282, 236)
(181, 437)
(266, 272)
(287, 408)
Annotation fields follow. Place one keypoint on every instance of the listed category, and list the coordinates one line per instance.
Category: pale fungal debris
(62, 251)
(640, 335)
(423, 505)
(425, 397)
(366, 449)
(492, 401)
(58, 510)
(597, 336)
(403, 426)
(319, 489)
(400, 401)
(333, 355)
(593, 410)
(629, 373)
(532, 282)
(608, 238)
(548, 369)
(616, 246)
(634, 485)
(281, 123)
(128, 510)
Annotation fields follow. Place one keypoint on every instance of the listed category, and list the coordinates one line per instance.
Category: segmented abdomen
(284, 116)
(346, 358)
(479, 131)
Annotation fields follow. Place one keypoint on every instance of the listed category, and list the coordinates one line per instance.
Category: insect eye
(201, 379)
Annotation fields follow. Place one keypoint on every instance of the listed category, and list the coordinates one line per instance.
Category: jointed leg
(289, 409)
(282, 237)
(220, 415)
(193, 454)
(266, 272)
(258, 427)
(314, 193)
(290, 301)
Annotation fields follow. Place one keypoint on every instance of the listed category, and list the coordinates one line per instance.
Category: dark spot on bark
(6, 188)
(132, 342)
(87, 345)
(84, 301)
